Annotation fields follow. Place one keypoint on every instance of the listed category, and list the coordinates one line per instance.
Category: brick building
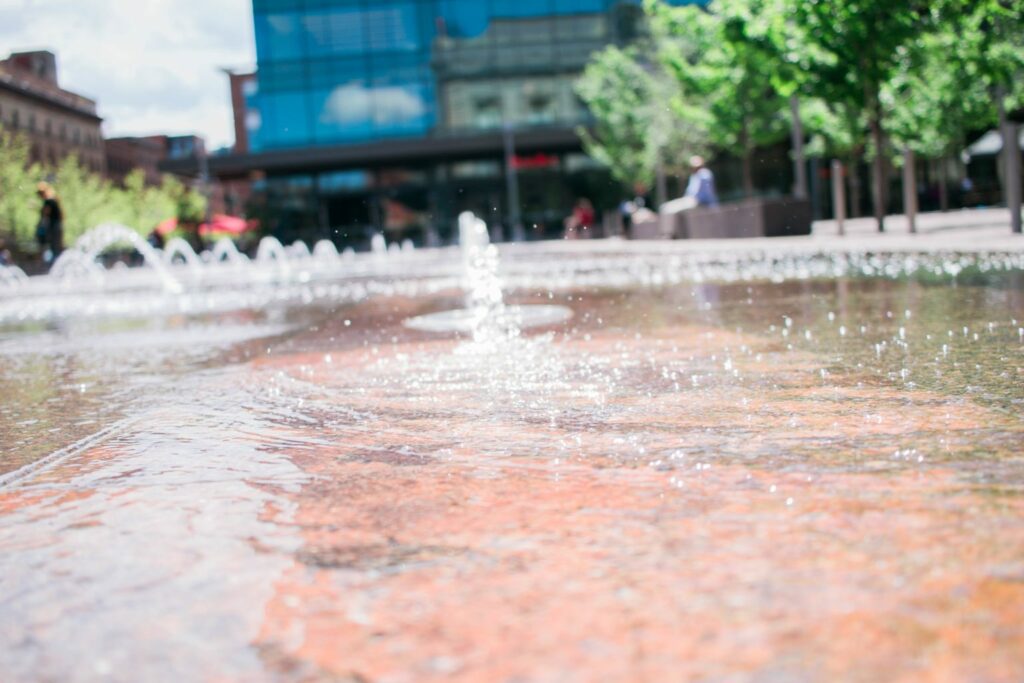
(56, 122)
(243, 87)
(127, 154)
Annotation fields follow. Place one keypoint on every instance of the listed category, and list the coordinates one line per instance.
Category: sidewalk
(964, 229)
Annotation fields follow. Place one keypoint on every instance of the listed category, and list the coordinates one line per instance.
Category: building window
(48, 127)
(487, 112)
(15, 118)
(32, 123)
(540, 110)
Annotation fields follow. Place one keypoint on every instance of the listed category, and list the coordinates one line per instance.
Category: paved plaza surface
(967, 230)
(804, 480)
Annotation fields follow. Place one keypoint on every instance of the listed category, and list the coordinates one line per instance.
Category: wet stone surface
(800, 481)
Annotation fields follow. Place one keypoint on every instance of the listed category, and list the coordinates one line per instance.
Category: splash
(486, 316)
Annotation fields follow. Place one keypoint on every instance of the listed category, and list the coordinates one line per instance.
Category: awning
(991, 143)
(220, 224)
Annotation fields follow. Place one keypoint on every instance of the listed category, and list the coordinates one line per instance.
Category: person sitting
(700, 191)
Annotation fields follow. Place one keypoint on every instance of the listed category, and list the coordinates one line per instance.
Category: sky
(152, 65)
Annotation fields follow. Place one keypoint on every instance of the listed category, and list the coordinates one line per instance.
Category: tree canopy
(727, 66)
(87, 199)
(637, 123)
(923, 74)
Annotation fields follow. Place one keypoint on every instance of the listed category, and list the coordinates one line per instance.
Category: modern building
(396, 115)
(56, 122)
(150, 153)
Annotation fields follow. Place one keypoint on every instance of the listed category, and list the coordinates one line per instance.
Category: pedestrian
(155, 239)
(629, 207)
(6, 259)
(50, 229)
(581, 220)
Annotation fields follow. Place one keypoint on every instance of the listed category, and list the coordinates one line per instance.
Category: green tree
(837, 130)
(936, 97)
(852, 49)
(19, 206)
(86, 198)
(190, 206)
(727, 65)
(145, 205)
(636, 130)
(991, 40)
(616, 90)
(992, 33)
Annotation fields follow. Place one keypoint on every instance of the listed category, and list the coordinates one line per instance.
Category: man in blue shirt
(702, 183)
(700, 191)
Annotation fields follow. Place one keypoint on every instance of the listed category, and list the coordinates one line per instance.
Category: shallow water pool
(716, 478)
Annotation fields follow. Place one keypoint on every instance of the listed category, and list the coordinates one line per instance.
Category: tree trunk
(909, 189)
(838, 196)
(748, 162)
(943, 180)
(878, 166)
(660, 184)
(748, 173)
(856, 199)
(1011, 164)
(799, 163)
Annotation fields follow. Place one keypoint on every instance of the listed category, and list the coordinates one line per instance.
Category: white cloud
(152, 65)
(354, 103)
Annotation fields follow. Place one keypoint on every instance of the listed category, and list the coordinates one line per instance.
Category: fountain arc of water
(298, 251)
(226, 251)
(90, 245)
(270, 250)
(378, 245)
(325, 250)
(12, 276)
(178, 247)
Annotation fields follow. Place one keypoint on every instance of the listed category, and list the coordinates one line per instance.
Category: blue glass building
(388, 115)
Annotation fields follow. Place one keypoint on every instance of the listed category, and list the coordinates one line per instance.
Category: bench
(760, 217)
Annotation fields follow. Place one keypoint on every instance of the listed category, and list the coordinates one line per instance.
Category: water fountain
(225, 250)
(312, 465)
(177, 248)
(486, 317)
(378, 245)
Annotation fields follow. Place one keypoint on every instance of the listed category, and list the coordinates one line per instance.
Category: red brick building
(56, 122)
(127, 154)
(240, 85)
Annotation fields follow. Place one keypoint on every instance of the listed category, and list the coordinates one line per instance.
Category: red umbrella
(167, 227)
(219, 224)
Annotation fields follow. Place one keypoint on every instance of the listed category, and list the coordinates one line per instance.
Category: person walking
(50, 230)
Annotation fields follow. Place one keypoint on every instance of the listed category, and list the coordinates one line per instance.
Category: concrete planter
(654, 229)
(761, 217)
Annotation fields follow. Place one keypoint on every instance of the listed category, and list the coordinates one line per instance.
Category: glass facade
(342, 72)
(350, 71)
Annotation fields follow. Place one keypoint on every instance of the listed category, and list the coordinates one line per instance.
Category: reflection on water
(800, 480)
